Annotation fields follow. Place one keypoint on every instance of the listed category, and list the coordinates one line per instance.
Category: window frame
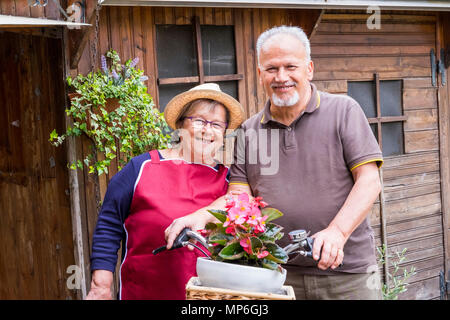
(201, 78)
(379, 119)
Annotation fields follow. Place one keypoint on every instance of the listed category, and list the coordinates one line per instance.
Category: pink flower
(261, 226)
(260, 203)
(230, 230)
(263, 254)
(238, 215)
(247, 245)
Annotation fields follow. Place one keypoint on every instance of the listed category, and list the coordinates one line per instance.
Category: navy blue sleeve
(109, 231)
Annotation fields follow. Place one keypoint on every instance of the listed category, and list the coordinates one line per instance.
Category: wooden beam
(443, 39)
(198, 42)
(79, 38)
(79, 235)
(196, 79)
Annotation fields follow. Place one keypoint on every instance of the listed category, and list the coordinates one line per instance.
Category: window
(382, 105)
(189, 55)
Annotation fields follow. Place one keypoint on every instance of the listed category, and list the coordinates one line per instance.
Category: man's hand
(100, 285)
(331, 242)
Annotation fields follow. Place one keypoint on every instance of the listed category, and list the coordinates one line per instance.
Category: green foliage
(398, 278)
(246, 242)
(133, 128)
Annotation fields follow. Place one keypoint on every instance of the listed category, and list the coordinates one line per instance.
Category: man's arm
(198, 219)
(355, 209)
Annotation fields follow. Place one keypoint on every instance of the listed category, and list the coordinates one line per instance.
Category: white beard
(286, 102)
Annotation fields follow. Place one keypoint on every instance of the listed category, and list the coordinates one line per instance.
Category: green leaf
(219, 214)
(272, 233)
(272, 213)
(233, 251)
(268, 264)
(220, 238)
(276, 253)
(53, 135)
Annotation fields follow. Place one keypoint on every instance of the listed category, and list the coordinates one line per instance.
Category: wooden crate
(195, 291)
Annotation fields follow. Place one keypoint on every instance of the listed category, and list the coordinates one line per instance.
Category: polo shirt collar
(312, 105)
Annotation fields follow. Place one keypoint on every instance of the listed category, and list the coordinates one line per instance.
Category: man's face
(284, 71)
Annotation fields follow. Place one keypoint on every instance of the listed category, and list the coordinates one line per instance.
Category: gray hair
(296, 32)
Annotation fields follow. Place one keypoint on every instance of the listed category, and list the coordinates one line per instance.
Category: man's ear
(310, 70)
(259, 75)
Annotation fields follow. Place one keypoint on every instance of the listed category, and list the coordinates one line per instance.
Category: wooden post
(78, 232)
(444, 138)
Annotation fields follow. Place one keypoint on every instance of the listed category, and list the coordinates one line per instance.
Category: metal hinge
(444, 285)
(438, 66)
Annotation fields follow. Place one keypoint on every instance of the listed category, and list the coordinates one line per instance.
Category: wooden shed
(391, 56)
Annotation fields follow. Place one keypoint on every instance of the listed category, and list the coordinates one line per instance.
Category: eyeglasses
(200, 123)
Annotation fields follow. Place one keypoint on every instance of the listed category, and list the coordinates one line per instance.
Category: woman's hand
(194, 221)
(100, 285)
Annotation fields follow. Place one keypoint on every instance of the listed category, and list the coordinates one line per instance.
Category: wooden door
(35, 222)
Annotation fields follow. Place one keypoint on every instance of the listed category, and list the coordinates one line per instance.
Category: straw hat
(204, 91)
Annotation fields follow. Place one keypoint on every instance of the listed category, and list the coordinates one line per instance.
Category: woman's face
(202, 131)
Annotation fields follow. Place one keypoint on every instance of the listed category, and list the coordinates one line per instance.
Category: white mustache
(283, 84)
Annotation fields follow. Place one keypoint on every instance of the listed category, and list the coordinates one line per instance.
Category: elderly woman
(157, 187)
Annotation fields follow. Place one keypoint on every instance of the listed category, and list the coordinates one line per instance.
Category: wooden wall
(23, 9)
(35, 222)
(343, 49)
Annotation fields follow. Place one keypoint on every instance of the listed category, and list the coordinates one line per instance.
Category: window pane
(175, 48)
(229, 87)
(392, 133)
(373, 126)
(218, 50)
(364, 93)
(168, 91)
(391, 98)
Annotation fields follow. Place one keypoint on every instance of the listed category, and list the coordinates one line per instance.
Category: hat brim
(175, 106)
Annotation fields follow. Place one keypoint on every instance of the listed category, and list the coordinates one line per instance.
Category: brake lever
(180, 241)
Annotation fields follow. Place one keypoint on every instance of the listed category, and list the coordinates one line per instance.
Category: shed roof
(442, 5)
(17, 21)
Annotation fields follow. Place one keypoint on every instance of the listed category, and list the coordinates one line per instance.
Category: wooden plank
(424, 119)
(149, 49)
(169, 15)
(385, 17)
(443, 38)
(250, 63)
(335, 51)
(387, 38)
(416, 141)
(22, 8)
(240, 55)
(208, 16)
(361, 28)
(417, 83)
(411, 159)
(423, 290)
(419, 98)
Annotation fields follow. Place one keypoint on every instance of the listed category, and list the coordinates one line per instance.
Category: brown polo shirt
(304, 170)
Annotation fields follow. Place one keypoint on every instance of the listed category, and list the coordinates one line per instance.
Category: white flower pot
(239, 277)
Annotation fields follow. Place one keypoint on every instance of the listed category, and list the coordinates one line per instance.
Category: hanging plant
(112, 107)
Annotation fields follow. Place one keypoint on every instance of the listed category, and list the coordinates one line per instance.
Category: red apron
(165, 190)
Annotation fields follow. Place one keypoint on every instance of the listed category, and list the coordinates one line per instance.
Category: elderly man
(323, 172)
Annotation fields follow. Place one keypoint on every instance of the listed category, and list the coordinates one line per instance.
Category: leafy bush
(398, 282)
(129, 130)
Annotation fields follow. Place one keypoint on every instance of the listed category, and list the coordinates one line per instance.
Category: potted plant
(112, 107)
(244, 254)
